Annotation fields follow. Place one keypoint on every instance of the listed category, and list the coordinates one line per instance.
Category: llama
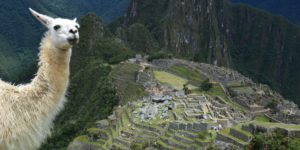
(27, 111)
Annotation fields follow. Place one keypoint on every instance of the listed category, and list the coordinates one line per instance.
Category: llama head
(63, 32)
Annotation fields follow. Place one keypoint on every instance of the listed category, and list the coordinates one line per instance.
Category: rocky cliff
(288, 9)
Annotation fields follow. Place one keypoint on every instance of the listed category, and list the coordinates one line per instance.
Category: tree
(274, 141)
(206, 85)
(186, 89)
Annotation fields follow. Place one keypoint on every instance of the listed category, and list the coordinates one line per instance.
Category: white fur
(27, 111)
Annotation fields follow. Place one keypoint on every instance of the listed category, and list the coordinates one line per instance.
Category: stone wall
(224, 138)
(240, 135)
(194, 127)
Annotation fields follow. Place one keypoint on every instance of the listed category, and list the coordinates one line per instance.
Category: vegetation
(274, 141)
(193, 75)
(262, 119)
(277, 125)
(206, 85)
(124, 81)
(139, 39)
(272, 104)
(171, 79)
(160, 55)
(91, 97)
(203, 135)
(186, 89)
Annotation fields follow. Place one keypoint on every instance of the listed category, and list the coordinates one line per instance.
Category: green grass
(175, 141)
(185, 138)
(226, 132)
(172, 80)
(125, 120)
(193, 75)
(217, 90)
(124, 76)
(262, 119)
(82, 138)
(85, 139)
(239, 128)
(166, 145)
(213, 134)
(94, 131)
(278, 125)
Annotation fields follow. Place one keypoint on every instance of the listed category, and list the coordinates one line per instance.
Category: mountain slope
(289, 9)
(254, 42)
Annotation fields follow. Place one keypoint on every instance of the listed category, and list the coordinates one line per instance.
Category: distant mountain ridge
(287, 8)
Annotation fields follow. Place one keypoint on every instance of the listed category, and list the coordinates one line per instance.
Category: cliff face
(188, 28)
(266, 48)
(215, 31)
(289, 9)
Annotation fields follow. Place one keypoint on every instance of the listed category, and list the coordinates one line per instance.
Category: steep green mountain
(20, 33)
(289, 9)
(258, 44)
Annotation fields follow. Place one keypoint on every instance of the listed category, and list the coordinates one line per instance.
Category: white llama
(27, 111)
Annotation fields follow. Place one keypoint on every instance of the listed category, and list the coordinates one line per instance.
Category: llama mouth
(73, 41)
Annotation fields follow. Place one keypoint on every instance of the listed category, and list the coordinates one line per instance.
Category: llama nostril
(73, 31)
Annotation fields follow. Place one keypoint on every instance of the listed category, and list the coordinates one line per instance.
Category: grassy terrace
(239, 128)
(164, 145)
(217, 90)
(85, 139)
(171, 79)
(192, 75)
(226, 132)
(175, 141)
(278, 125)
(265, 122)
(262, 119)
(124, 76)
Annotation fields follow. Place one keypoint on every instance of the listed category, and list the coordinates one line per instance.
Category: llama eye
(56, 27)
(77, 27)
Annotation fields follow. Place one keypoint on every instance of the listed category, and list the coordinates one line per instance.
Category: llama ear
(44, 19)
(75, 19)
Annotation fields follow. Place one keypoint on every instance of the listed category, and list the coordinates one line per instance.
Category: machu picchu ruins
(227, 116)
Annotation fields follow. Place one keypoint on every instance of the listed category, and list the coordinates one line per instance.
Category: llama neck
(53, 73)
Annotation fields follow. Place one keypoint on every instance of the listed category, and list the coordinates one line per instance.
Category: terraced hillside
(174, 112)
